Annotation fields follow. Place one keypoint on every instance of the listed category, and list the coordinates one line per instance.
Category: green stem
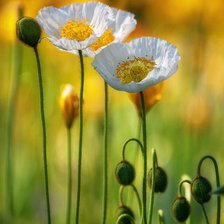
(144, 158)
(131, 140)
(44, 133)
(151, 201)
(10, 121)
(121, 200)
(68, 217)
(138, 198)
(205, 214)
(80, 137)
(180, 186)
(105, 156)
(217, 182)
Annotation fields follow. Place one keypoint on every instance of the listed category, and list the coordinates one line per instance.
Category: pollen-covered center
(76, 30)
(105, 39)
(134, 70)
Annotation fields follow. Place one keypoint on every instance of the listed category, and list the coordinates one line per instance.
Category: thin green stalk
(69, 191)
(144, 219)
(105, 156)
(205, 214)
(154, 162)
(217, 183)
(10, 121)
(138, 198)
(44, 134)
(80, 137)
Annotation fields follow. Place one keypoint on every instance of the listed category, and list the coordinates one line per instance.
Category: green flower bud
(160, 179)
(123, 209)
(201, 189)
(181, 209)
(125, 173)
(28, 31)
(125, 219)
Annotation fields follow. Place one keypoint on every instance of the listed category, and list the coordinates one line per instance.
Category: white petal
(50, 18)
(165, 55)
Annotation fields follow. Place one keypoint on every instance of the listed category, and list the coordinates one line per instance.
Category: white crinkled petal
(99, 17)
(123, 24)
(165, 55)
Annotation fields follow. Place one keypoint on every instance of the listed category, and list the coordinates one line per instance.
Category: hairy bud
(201, 189)
(125, 173)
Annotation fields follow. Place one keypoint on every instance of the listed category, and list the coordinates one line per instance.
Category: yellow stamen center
(76, 30)
(105, 39)
(134, 70)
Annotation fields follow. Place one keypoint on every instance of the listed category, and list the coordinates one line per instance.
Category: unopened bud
(28, 31)
(123, 209)
(69, 104)
(160, 180)
(201, 189)
(125, 219)
(125, 173)
(181, 209)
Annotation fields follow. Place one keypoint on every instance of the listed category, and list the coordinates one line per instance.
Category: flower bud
(123, 209)
(125, 219)
(181, 209)
(69, 104)
(125, 173)
(28, 31)
(152, 95)
(160, 180)
(201, 189)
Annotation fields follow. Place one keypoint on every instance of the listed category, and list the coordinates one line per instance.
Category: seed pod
(125, 173)
(160, 180)
(125, 219)
(181, 209)
(28, 31)
(201, 189)
(123, 209)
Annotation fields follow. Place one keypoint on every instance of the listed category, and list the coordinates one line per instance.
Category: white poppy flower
(123, 24)
(137, 65)
(76, 26)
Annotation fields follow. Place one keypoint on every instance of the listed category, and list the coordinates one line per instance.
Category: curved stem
(44, 134)
(154, 163)
(217, 182)
(69, 191)
(145, 159)
(10, 121)
(138, 198)
(180, 186)
(121, 189)
(80, 137)
(121, 200)
(125, 144)
(105, 155)
(205, 214)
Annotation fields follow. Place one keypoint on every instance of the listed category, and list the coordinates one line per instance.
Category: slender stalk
(180, 194)
(44, 134)
(69, 191)
(80, 137)
(10, 121)
(105, 156)
(154, 163)
(138, 198)
(217, 183)
(144, 219)
(205, 214)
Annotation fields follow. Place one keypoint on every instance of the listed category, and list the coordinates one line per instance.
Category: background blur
(185, 125)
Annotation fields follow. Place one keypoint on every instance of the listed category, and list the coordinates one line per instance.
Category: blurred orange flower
(152, 95)
(69, 104)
